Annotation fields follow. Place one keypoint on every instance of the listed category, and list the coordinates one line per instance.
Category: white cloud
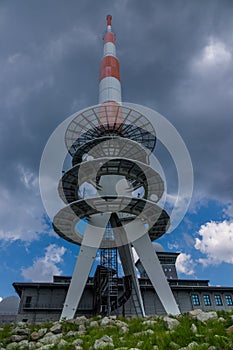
(185, 264)
(178, 204)
(22, 215)
(45, 267)
(28, 178)
(1, 299)
(172, 246)
(216, 242)
(215, 53)
(229, 211)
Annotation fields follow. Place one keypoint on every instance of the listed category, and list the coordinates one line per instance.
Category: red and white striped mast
(109, 85)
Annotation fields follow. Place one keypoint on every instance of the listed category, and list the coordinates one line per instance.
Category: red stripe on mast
(110, 67)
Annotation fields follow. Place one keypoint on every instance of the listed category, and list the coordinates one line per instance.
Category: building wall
(41, 304)
(211, 296)
(46, 303)
(5, 319)
(183, 300)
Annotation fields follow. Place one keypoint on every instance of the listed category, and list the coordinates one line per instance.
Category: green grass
(5, 334)
(209, 333)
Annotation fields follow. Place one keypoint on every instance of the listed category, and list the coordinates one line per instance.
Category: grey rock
(194, 328)
(42, 331)
(17, 338)
(46, 347)
(12, 346)
(32, 345)
(93, 324)
(103, 342)
(72, 334)
(61, 344)
(205, 316)
(106, 339)
(81, 320)
(192, 345)
(78, 320)
(82, 328)
(81, 333)
(194, 313)
(171, 323)
(221, 319)
(106, 321)
(78, 342)
(99, 344)
(148, 331)
(124, 329)
(21, 331)
(49, 334)
(113, 317)
(119, 323)
(21, 324)
(140, 343)
(148, 323)
(56, 329)
(51, 338)
(23, 344)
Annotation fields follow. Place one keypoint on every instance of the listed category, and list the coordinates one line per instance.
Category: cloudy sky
(176, 57)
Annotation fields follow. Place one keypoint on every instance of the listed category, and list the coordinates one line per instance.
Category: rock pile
(156, 333)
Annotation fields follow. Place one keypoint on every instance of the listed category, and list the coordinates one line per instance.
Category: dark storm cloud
(49, 61)
(179, 78)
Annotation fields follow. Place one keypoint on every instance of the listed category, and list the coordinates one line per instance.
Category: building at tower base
(42, 302)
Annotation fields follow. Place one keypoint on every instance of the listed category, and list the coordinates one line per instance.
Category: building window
(28, 301)
(206, 299)
(229, 300)
(218, 300)
(195, 299)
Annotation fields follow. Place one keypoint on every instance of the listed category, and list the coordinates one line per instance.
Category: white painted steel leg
(152, 266)
(88, 250)
(127, 260)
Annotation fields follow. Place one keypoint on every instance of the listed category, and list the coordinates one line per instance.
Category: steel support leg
(151, 264)
(86, 257)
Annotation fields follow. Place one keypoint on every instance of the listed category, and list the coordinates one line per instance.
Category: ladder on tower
(108, 260)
